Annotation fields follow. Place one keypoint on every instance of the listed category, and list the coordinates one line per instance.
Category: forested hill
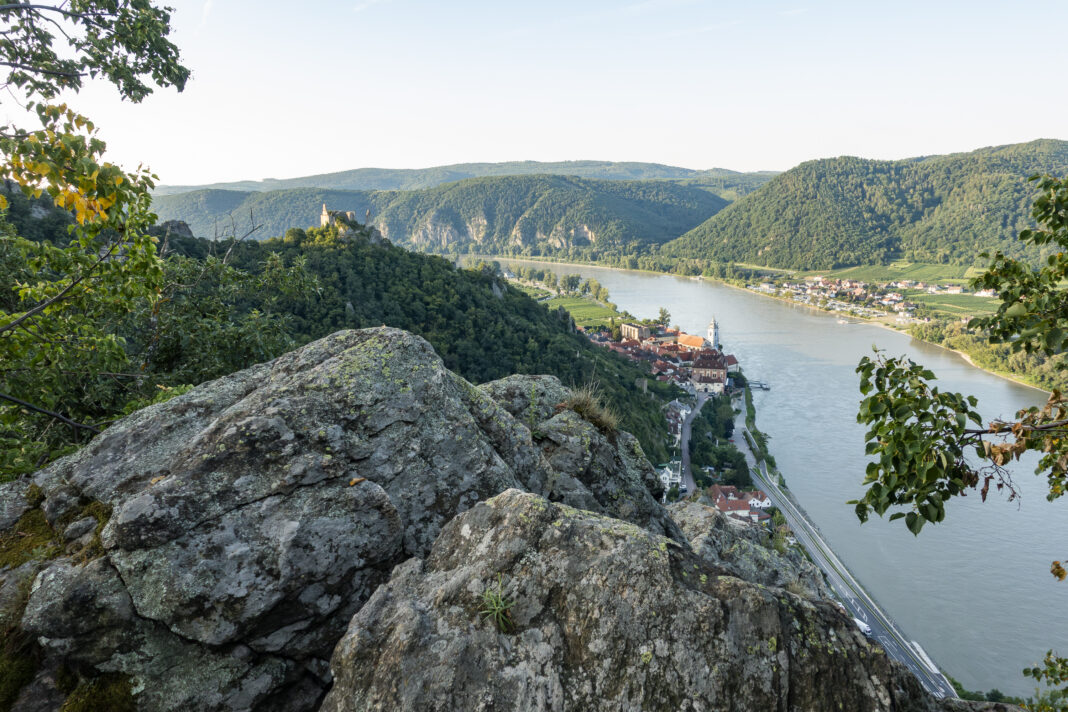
(846, 211)
(724, 182)
(541, 214)
(482, 327)
(225, 212)
(544, 214)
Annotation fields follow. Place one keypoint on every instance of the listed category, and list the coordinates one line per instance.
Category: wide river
(976, 590)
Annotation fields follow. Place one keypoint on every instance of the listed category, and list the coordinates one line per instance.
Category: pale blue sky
(282, 89)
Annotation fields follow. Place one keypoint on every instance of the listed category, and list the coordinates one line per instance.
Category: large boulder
(210, 551)
(748, 551)
(594, 613)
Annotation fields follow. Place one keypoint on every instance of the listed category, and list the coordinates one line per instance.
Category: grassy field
(532, 292)
(586, 312)
(954, 305)
(918, 271)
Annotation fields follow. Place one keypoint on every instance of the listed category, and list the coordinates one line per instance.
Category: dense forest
(228, 305)
(726, 183)
(847, 211)
(522, 215)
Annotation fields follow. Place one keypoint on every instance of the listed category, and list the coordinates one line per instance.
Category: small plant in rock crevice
(497, 607)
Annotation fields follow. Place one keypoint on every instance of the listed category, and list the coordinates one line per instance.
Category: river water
(974, 591)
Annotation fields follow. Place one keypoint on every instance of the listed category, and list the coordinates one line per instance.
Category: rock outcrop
(599, 615)
(747, 552)
(219, 543)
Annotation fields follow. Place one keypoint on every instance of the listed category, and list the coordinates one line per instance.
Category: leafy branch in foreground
(920, 435)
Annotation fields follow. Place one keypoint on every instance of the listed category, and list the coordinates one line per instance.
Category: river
(976, 590)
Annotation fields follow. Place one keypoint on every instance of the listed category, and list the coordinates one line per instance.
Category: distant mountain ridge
(719, 179)
(844, 211)
(538, 214)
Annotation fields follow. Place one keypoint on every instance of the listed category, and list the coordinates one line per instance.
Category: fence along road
(848, 589)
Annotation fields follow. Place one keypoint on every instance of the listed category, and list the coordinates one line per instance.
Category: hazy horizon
(409, 84)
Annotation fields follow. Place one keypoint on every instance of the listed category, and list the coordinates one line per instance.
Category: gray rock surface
(252, 517)
(603, 616)
(13, 503)
(746, 550)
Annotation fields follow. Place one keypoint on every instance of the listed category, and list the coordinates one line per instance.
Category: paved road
(684, 443)
(848, 589)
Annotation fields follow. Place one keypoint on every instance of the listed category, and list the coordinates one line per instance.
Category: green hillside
(235, 211)
(536, 215)
(529, 215)
(846, 211)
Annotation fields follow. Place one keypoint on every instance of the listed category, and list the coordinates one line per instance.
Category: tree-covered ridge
(544, 214)
(846, 211)
(539, 214)
(418, 178)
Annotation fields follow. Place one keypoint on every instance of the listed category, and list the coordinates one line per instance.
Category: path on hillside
(848, 589)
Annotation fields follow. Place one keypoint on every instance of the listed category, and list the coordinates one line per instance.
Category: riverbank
(1008, 376)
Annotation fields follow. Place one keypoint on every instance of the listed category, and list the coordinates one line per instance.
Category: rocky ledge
(209, 553)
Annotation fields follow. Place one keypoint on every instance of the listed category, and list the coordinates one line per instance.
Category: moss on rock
(111, 692)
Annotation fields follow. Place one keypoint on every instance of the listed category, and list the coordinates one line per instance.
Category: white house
(671, 475)
(758, 500)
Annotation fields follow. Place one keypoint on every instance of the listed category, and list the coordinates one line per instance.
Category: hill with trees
(224, 306)
(847, 211)
(525, 215)
(718, 179)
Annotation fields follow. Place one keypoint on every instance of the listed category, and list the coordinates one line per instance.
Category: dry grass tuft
(586, 401)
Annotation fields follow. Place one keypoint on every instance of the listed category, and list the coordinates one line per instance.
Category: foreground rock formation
(209, 553)
(250, 518)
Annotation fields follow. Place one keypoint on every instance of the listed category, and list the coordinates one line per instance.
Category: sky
(282, 90)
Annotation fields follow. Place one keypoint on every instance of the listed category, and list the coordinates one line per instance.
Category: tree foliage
(63, 295)
(931, 445)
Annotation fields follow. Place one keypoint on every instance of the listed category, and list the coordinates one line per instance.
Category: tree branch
(49, 302)
(53, 414)
(38, 70)
(50, 8)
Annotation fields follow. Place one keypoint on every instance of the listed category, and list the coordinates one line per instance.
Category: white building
(713, 333)
(758, 500)
(671, 475)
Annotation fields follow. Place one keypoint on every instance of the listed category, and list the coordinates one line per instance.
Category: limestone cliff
(209, 553)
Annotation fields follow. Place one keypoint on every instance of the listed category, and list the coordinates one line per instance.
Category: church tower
(713, 333)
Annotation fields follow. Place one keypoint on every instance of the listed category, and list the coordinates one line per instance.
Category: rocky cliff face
(249, 519)
(209, 553)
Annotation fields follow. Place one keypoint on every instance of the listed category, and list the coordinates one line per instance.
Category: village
(862, 299)
(697, 365)
(692, 362)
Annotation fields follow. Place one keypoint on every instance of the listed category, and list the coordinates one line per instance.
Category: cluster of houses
(859, 298)
(692, 362)
(749, 507)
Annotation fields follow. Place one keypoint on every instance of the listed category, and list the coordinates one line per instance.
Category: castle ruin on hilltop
(337, 217)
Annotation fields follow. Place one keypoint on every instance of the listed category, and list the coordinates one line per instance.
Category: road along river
(974, 591)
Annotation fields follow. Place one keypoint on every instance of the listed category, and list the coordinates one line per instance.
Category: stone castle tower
(330, 217)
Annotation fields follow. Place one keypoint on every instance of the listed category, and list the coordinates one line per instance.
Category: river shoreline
(861, 320)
